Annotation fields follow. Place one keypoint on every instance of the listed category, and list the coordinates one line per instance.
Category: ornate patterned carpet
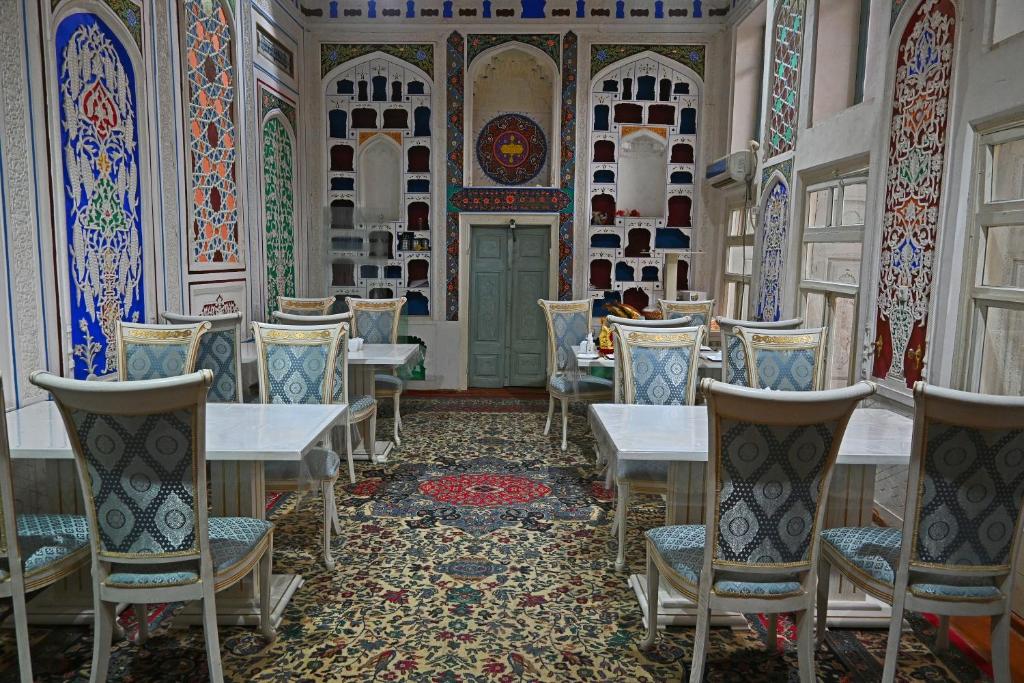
(482, 553)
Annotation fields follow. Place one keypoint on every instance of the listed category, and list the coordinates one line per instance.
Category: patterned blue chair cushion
(46, 539)
(695, 318)
(735, 368)
(388, 383)
(563, 384)
(874, 554)
(682, 548)
(374, 326)
(641, 470)
(358, 404)
(660, 375)
(217, 354)
(154, 361)
(973, 482)
(569, 329)
(785, 370)
(322, 463)
(232, 539)
(296, 373)
(770, 480)
(143, 483)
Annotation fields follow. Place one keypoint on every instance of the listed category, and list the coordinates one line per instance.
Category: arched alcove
(380, 179)
(682, 153)
(364, 117)
(624, 272)
(637, 298)
(337, 123)
(604, 151)
(679, 212)
(638, 242)
(341, 157)
(342, 214)
(600, 274)
(513, 78)
(418, 273)
(419, 159)
(642, 160)
(396, 118)
(418, 216)
(602, 209)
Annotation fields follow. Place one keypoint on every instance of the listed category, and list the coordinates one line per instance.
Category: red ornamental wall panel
(917, 149)
(211, 130)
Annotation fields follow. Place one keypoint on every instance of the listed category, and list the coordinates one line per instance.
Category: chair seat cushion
(46, 539)
(641, 470)
(387, 384)
(872, 553)
(587, 384)
(232, 540)
(682, 548)
(322, 463)
(360, 404)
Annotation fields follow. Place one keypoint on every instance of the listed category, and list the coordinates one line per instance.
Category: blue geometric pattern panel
(971, 495)
(570, 329)
(217, 354)
(102, 198)
(374, 326)
(735, 368)
(774, 227)
(340, 375)
(142, 477)
(661, 376)
(154, 361)
(785, 369)
(770, 486)
(296, 373)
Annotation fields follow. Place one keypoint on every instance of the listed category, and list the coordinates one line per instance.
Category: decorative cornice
(419, 55)
(478, 199)
(691, 56)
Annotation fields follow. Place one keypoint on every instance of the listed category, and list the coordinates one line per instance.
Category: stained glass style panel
(917, 148)
(210, 77)
(784, 80)
(279, 210)
(102, 199)
(774, 226)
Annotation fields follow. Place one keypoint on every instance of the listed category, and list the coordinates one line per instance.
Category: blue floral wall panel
(102, 198)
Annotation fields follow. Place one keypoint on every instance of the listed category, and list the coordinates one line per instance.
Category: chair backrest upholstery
(965, 483)
(376, 320)
(699, 311)
(140, 450)
(300, 306)
(734, 356)
(659, 366)
(568, 324)
(157, 351)
(296, 364)
(220, 351)
(683, 321)
(282, 318)
(784, 360)
(770, 462)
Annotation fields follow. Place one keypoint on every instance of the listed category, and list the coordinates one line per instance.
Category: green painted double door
(507, 334)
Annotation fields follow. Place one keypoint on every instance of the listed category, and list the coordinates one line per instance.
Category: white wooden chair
(963, 518)
(140, 452)
(568, 324)
(299, 364)
(376, 321)
(699, 311)
(305, 306)
(658, 367)
(220, 351)
(734, 356)
(769, 468)
(784, 360)
(614, 320)
(157, 351)
(40, 549)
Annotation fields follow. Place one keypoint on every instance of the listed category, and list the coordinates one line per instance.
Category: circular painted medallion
(511, 149)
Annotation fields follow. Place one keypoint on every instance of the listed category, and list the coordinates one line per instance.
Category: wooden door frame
(466, 222)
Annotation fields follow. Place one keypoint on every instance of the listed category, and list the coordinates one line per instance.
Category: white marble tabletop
(234, 431)
(874, 436)
(391, 355)
(605, 362)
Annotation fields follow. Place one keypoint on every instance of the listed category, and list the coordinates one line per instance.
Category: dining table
(240, 439)
(679, 435)
(363, 364)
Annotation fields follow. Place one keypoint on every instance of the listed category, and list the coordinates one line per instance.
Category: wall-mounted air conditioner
(731, 170)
